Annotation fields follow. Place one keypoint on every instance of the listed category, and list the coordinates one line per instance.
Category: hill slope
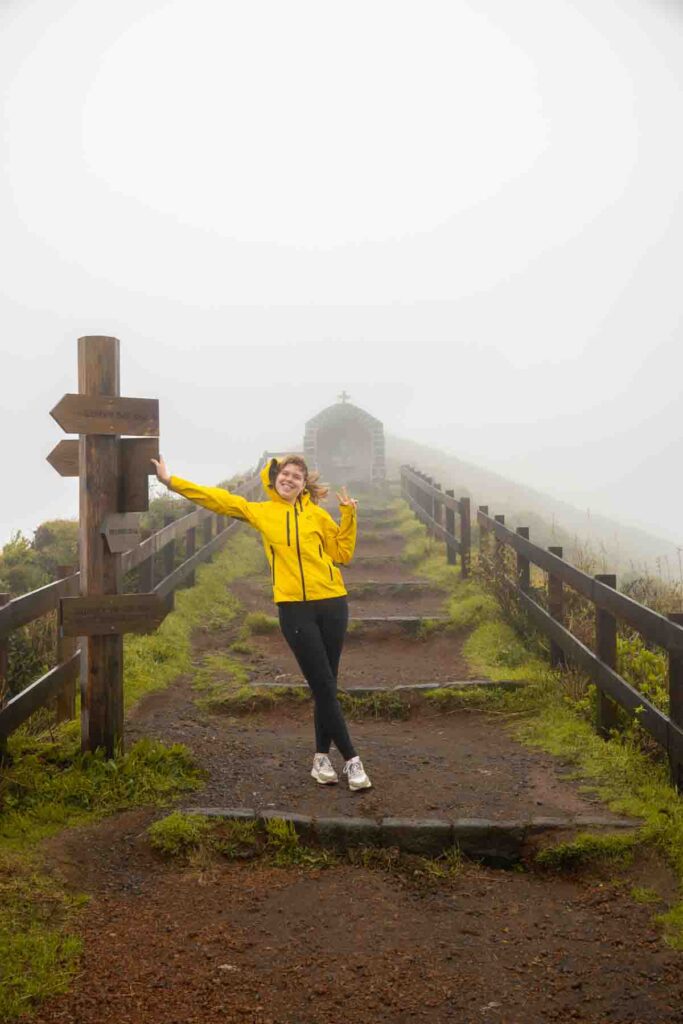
(620, 548)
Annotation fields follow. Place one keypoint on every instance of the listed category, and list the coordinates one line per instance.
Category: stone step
(399, 620)
(495, 843)
(375, 653)
(380, 587)
(401, 688)
(454, 765)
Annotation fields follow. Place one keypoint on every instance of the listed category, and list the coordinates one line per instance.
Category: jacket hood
(269, 488)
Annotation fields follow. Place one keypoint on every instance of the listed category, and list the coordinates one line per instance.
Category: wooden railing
(437, 509)
(611, 608)
(61, 680)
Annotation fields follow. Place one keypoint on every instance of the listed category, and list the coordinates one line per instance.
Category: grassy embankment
(556, 711)
(48, 785)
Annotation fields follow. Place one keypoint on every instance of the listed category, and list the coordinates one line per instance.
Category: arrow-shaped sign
(104, 414)
(136, 454)
(64, 458)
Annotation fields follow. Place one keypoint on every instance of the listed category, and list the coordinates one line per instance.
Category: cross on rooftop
(343, 397)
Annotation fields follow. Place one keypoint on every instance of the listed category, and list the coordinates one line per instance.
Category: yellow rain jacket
(302, 541)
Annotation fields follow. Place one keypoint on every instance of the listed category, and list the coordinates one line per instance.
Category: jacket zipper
(298, 552)
(288, 543)
(272, 551)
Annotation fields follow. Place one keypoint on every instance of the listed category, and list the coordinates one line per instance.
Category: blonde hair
(317, 490)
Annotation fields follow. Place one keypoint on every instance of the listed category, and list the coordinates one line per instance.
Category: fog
(468, 216)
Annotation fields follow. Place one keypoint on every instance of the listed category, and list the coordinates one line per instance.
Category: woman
(302, 542)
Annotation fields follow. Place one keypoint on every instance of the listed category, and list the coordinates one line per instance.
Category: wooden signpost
(113, 482)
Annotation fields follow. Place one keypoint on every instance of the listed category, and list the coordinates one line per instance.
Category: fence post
(417, 497)
(556, 609)
(207, 529)
(431, 506)
(438, 509)
(499, 548)
(465, 537)
(190, 548)
(66, 647)
(606, 650)
(169, 549)
(676, 705)
(523, 564)
(450, 527)
(4, 671)
(4, 666)
(484, 541)
(146, 575)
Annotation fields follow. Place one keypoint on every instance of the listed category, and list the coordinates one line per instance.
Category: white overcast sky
(468, 214)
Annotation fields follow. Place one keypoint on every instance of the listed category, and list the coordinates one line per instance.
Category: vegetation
(588, 849)
(556, 710)
(197, 840)
(260, 624)
(49, 785)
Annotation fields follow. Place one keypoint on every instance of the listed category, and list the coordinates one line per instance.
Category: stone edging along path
(463, 684)
(496, 843)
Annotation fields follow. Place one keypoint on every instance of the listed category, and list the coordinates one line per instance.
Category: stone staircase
(441, 774)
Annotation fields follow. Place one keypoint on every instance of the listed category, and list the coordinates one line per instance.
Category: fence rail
(437, 509)
(27, 608)
(611, 608)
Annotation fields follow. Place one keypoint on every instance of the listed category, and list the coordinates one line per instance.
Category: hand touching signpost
(161, 470)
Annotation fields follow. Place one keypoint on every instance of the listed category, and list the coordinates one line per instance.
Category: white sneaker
(323, 770)
(355, 773)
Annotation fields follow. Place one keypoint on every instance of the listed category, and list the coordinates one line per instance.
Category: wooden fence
(437, 509)
(60, 681)
(611, 608)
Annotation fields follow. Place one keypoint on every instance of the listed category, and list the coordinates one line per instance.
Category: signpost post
(113, 476)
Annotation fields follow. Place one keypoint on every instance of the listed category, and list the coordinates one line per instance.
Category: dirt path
(252, 943)
(259, 945)
(434, 765)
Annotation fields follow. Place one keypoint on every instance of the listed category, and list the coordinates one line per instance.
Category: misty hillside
(620, 548)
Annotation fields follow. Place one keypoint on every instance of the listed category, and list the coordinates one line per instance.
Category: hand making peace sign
(344, 498)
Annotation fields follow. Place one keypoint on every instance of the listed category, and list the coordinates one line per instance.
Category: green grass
(197, 840)
(49, 788)
(641, 894)
(244, 699)
(495, 650)
(384, 705)
(588, 849)
(48, 785)
(260, 624)
(218, 671)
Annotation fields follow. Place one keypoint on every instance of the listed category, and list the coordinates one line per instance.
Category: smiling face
(290, 481)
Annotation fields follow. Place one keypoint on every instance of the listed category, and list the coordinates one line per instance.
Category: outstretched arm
(340, 540)
(217, 499)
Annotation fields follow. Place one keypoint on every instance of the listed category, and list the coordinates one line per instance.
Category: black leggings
(315, 632)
